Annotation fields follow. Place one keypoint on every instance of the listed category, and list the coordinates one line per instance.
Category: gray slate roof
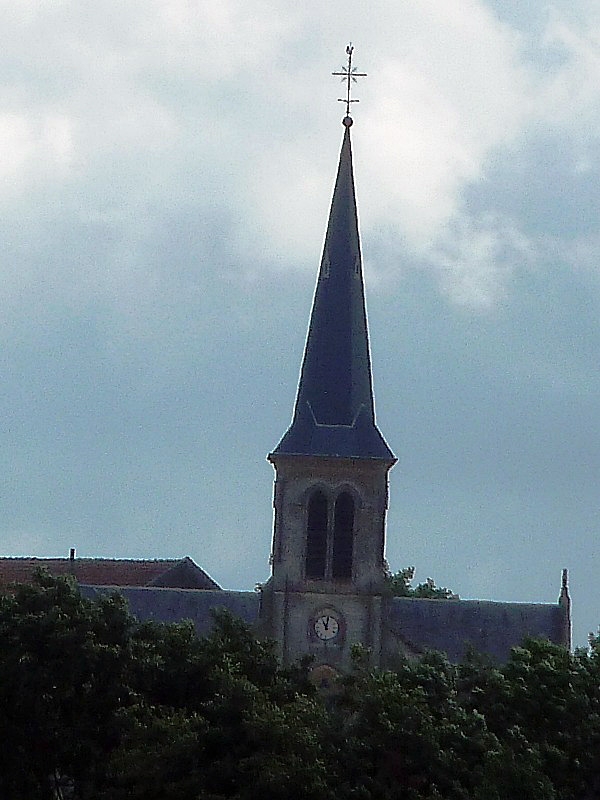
(176, 605)
(334, 413)
(452, 626)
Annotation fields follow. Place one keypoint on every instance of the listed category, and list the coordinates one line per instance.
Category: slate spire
(334, 413)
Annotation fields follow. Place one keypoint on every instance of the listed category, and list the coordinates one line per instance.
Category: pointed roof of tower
(334, 413)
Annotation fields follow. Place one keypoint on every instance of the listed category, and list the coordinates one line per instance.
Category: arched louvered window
(343, 535)
(316, 536)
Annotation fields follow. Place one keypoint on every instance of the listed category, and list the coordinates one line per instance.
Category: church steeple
(331, 467)
(334, 413)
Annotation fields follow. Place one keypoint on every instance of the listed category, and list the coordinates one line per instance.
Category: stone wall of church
(297, 478)
(296, 623)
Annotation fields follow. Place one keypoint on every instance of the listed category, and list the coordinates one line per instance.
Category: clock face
(326, 626)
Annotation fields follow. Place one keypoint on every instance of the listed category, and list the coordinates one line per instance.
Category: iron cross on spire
(349, 74)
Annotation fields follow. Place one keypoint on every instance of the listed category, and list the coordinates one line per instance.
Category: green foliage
(63, 666)
(551, 698)
(399, 584)
(95, 706)
(409, 734)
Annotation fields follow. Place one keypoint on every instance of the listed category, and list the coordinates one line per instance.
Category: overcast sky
(166, 173)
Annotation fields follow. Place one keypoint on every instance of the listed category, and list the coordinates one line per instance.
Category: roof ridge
(96, 558)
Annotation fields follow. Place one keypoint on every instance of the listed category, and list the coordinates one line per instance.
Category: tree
(218, 718)
(63, 668)
(95, 705)
(400, 585)
(551, 697)
(409, 735)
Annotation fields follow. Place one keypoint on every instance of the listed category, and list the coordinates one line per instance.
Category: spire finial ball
(347, 122)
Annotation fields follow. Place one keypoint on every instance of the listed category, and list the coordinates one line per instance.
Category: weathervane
(349, 74)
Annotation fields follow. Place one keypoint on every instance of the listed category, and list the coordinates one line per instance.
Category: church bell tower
(331, 466)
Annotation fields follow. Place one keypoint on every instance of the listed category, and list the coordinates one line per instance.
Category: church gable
(185, 574)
